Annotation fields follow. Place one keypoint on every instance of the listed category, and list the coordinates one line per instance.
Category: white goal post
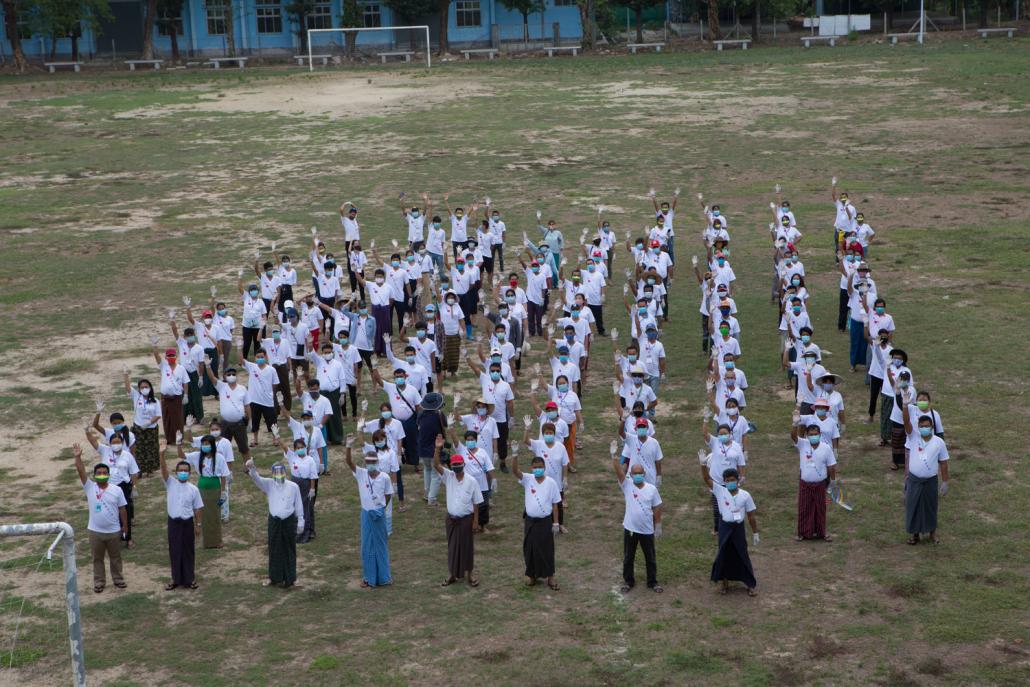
(311, 62)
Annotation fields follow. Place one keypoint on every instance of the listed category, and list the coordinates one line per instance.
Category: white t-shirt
(540, 496)
(451, 316)
(351, 230)
(555, 458)
(144, 414)
(415, 227)
(477, 465)
(640, 504)
(724, 457)
(815, 460)
(925, 456)
(260, 383)
(646, 453)
(183, 499)
(462, 494)
(485, 428)
(305, 467)
(828, 427)
(103, 507)
(459, 228)
(498, 394)
(122, 465)
(435, 239)
(231, 402)
(215, 467)
(733, 507)
(173, 381)
(373, 490)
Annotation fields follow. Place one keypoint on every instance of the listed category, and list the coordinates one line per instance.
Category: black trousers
(130, 509)
(352, 392)
(249, 339)
(842, 311)
(502, 441)
(536, 315)
(598, 311)
(327, 322)
(309, 509)
(497, 253)
(629, 555)
(875, 384)
(182, 550)
(410, 441)
(484, 509)
(259, 412)
(706, 339)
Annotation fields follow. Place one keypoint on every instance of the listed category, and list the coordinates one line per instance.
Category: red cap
(207, 313)
(551, 405)
(656, 243)
(641, 422)
(534, 264)
(171, 353)
(457, 460)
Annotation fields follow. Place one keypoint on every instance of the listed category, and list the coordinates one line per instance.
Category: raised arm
(437, 445)
(161, 458)
(79, 467)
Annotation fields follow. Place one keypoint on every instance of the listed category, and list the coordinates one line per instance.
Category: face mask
(231, 379)
(410, 359)
(313, 393)
(732, 486)
(286, 264)
(716, 213)
(495, 217)
(380, 280)
(903, 385)
(373, 468)
(117, 448)
(722, 262)
(549, 438)
(207, 320)
(814, 440)
(144, 390)
(638, 479)
(182, 476)
(642, 311)
(805, 338)
(436, 225)
(308, 424)
(730, 365)
(415, 213)
(495, 359)
(276, 336)
(850, 258)
(641, 432)
(451, 301)
(809, 362)
(216, 433)
(535, 270)
(563, 358)
(253, 293)
(327, 357)
(395, 263)
(925, 432)
(410, 258)
(880, 309)
(470, 443)
(386, 414)
(481, 411)
(120, 426)
(509, 299)
(732, 412)
(101, 480)
(731, 382)
(495, 376)
(796, 309)
(637, 381)
(538, 472)
(362, 311)
(821, 414)
(923, 405)
(380, 444)
(591, 268)
(656, 251)
(552, 414)
(421, 333)
(260, 361)
(301, 451)
(827, 388)
(632, 357)
(724, 330)
(501, 336)
(563, 388)
(896, 362)
(459, 215)
(724, 438)
(344, 341)
(205, 448)
(222, 312)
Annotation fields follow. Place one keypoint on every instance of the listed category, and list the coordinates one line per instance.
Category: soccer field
(119, 195)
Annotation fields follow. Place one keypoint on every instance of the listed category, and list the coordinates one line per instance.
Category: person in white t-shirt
(174, 382)
(818, 467)
(349, 220)
(375, 490)
(262, 385)
(459, 224)
(864, 233)
(664, 214)
(416, 219)
(108, 521)
(146, 417)
(641, 524)
(498, 229)
(464, 499)
(927, 458)
(185, 509)
(540, 520)
(733, 504)
(845, 219)
(302, 468)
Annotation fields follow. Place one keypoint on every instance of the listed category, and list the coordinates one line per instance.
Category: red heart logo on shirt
(532, 491)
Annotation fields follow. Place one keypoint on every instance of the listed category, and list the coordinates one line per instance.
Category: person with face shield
(375, 490)
(285, 523)
(641, 523)
(185, 509)
(108, 521)
(818, 464)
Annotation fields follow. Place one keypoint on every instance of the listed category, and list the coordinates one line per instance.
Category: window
(466, 12)
(269, 19)
(166, 20)
(565, 3)
(321, 17)
(215, 18)
(372, 15)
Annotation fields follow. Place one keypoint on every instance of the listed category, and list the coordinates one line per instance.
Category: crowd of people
(413, 328)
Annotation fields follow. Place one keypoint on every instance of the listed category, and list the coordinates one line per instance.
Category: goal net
(39, 606)
(379, 43)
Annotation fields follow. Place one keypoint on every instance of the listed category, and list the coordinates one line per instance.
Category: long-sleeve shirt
(283, 499)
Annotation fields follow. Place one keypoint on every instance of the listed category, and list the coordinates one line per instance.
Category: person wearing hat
(174, 381)
(549, 413)
(823, 417)
(732, 562)
(207, 339)
(641, 524)
(807, 370)
(715, 237)
(431, 423)
(540, 519)
(375, 490)
(861, 295)
(722, 273)
(632, 388)
(464, 497)
(657, 259)
(817, 465)
(485, 426)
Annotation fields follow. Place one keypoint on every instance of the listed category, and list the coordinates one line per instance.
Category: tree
(411, 10)
(10, 8)
(756, 19)
(149, 19)
(300, 10)
(638, 7)
(525, 8)
(352, 19)
(168, 12)
(65, 18)
(586, 22)
(714, 31)
(444, 9)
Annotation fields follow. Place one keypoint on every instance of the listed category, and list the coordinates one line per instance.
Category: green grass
(106, 221)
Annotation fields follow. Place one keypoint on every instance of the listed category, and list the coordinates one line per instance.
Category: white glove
(658, 481)
(650, 192)
(393, 242)
(777, 187)
(487, 201)
(526, 347)
(796, 417)
(625, 289)
(214, 291)
(707, 414)
(387, 339)
(755, 538)
(658, 530)
(600, 209)
(555, 527)
(300, 529)
(257, 254)
(693, 260)
(772, 205)
(372, 244)
(275, 431)
(187, 301)
(615, 334)
(613, 447)
(539, 214)
(135, 493)
(314, 231)
(171, 314)
(349, 441)
(273, 246)
(153, 339)
(178, 437)
(190, 420)
(615, 386)
(249, 464)
(364, 405)
(676, 192)
(833, 181)
(100, 405)
(457, 400)
(702, 457)
(843, 428)
(700, 196)
(514, 449)
(493, 485)
(944, 488)
(534, 384)
(527, 421)
(239, 272)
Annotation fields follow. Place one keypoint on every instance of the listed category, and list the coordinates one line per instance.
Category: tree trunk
(443, 6)
(53, 47)
(303, 31)
(983, 14)
(75, 47)
(230, 30)
(149, 15)
(11, 27)
(525, 27)
(890, 17)
(586, 22)
(756, 20)
(714, 31)
(174, 36)
(638, 15)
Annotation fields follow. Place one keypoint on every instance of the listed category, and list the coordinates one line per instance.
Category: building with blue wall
(263, 27)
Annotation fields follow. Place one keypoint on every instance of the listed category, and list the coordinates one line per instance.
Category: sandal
(554, 586)
(935, 540)
(894, 467)
(657, 589)
(913, 540)
(120, 585)
(170, 586)
(827, 537)
(192, 585)
(723, 590)
(448, 582)
(97, 588)
(266, 583)
(625, 588)
(365, 584)
(751, 591)
(473, 582)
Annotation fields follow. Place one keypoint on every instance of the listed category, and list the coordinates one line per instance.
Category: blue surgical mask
(552, 414)
(253, 293)
(380, 444)
(814, 439)
(301, 451)
(563, 388)
(725, 438)
(925, 432)
(410, 359)
(399, 381)
(119, 427)
(481, 411)
(495, 376)
(205, 448)
(386, 414)
(642, 311)
(821, 414)
(716, 213)
(563, 358)
(421, 333)
(638, 478)
(182, 475)
(730, 365)
(470, 443)
(641, 432)
(538, 472)
(732, 486)
(549, 438)
(805, 338)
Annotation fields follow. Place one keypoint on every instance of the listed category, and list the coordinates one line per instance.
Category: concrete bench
(633, 47)
(808, 40)
(1007, 30)
(742, 43)
(302, 59)
(895, 37)
(574, 49)
(406, 54)
(52, 66)
(241, 62)
(156, 64)
(491, 53)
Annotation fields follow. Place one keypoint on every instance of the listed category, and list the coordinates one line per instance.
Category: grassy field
(119, 195)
